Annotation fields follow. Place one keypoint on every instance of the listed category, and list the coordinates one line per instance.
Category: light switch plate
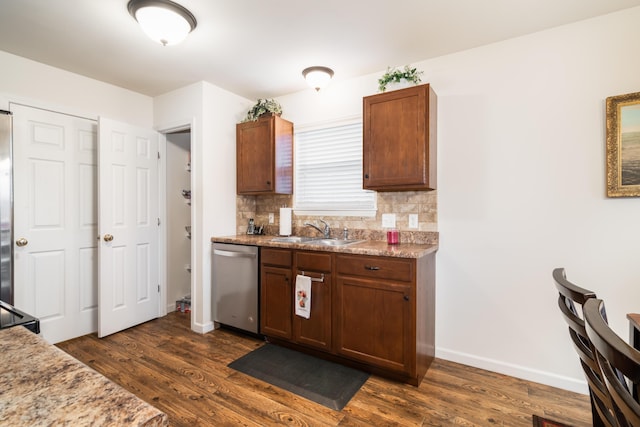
(271, 218)
(413, 220)
(388, 220)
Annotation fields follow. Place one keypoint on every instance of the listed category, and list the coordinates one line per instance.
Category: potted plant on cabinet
(263, 106)
(395, 78)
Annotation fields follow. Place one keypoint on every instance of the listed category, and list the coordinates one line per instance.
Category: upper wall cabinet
(399, 140)
(264, 155)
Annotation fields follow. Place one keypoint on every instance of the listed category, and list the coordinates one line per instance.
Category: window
(328, 178)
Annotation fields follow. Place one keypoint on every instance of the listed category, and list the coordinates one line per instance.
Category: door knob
(108, 237)
(22, 242)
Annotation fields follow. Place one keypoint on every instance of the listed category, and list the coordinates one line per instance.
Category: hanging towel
(303, 296)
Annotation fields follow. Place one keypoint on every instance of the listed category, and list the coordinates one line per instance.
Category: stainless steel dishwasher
(235, 286)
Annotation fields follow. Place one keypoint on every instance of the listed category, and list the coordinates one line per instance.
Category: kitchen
(507, 210)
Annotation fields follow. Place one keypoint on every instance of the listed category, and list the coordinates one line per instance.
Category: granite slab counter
(366, 247)
(41, 385)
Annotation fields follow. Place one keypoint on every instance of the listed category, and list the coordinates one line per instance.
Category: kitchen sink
(332, 242)
(292, 239)
(320, 241)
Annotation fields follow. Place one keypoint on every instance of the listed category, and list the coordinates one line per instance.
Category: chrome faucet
(327, 230)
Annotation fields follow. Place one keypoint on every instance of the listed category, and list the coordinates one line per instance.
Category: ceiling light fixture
(163, 21)
(317, 77)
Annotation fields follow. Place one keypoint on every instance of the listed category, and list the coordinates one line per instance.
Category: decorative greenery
(261, 107)
(395, 75)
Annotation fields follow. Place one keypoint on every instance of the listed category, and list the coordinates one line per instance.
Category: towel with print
(303, 296)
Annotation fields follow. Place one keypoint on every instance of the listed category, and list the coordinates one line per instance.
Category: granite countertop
(41, 385)
(366, 247)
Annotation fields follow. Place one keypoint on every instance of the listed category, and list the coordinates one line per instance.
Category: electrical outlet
(413, 220)
(271, 218)
(388, 220)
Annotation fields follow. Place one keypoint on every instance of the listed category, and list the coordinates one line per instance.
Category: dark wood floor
(185, 374)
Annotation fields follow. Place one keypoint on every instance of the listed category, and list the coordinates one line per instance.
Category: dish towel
(303, 296)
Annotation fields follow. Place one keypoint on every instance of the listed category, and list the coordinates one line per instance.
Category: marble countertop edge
(41, 385)
(366, 247)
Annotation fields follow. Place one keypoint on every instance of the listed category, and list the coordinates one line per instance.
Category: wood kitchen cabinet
(276, 293)
(376, 313)
(316, 330)
(384, 313)
(264, 156)
(399, 140)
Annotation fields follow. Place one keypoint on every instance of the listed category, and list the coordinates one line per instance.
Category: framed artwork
(623, 145)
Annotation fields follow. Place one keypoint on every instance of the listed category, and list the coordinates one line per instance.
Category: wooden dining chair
(571, 299)
(619, 362)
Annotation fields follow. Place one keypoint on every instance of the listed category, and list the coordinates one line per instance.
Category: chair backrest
(571, 300)
(620, 364)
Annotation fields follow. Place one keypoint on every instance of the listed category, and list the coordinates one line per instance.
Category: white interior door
(55, 220)
(129, 229)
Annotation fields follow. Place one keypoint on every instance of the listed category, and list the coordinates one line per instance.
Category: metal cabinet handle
(314, 279)
(108, 237)
(234, 254)
(371, 267)
(22, 242)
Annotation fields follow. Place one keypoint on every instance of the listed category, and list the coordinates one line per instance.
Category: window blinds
(329, 170)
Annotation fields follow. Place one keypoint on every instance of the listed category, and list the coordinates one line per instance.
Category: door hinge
(158, 222)
(158, 288)
(158, 155)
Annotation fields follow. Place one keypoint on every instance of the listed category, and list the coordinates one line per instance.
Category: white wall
(213, 113)
(521, 173)
(39, 85)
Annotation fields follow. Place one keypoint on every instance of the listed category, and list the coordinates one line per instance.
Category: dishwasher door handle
(233, 254)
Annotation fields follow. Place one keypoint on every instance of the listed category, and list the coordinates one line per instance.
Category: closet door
(129, 226)
(55, 220)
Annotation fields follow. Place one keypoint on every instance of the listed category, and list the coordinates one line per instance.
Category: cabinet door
(316, 330)
(276, 301)
(373, 323)
(399, 140)
(254, 151)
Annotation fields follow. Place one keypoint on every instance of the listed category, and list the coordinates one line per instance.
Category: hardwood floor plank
(184, 405)
(185, 374)
(320, 413)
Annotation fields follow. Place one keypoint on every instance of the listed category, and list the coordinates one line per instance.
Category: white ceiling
(258, 49)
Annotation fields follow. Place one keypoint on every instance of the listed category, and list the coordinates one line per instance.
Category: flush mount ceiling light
(317, 77)
(163, 21)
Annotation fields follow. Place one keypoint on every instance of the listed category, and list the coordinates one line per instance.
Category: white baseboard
(202, 328)
(547, 378)
(195, 327)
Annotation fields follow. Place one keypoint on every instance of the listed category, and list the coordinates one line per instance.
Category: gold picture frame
(623, 145)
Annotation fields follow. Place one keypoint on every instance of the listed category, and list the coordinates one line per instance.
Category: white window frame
(350, 211)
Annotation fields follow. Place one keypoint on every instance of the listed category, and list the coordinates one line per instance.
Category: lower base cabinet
(276, 293)
(376, 313)
(373, 323)
(316, 330)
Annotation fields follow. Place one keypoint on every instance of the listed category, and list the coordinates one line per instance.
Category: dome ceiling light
(317, 77)
(164, 21)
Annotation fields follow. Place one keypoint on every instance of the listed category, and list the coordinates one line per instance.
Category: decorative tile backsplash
(423, 203)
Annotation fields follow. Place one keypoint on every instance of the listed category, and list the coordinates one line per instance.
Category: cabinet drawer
(375, 267)
(279, 257)
(313, 261)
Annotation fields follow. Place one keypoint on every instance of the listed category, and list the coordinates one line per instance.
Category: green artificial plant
(396, 75)
(263, 106)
